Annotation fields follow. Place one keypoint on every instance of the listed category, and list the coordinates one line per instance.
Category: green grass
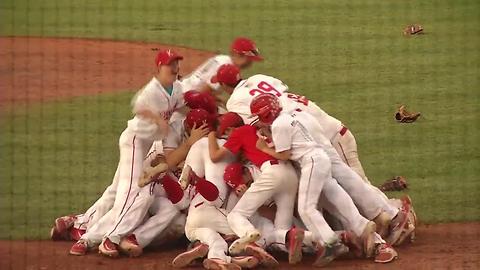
(350, 57)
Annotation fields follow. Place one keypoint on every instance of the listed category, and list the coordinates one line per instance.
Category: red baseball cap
(230, 119)
(247, 47)
(227, 74)
(165, 57)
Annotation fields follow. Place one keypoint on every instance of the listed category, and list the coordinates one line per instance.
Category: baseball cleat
(238, 246)
(61, 227)
(330, 252)
(80, 248)
(353, 242)
(385, 253)
(295, 238)
(383, 223)
(397, 224)
(108, 248)
(245, 261)
(263, 256)
(187, 257)
(75, 233)
(368, 239)
(218, 264)
(130, 246)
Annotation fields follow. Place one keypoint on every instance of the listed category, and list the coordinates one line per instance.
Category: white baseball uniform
(134, 144)
(207, 220)
(341, 138)
(203, 74)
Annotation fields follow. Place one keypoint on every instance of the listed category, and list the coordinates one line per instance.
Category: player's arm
(283, 155)
(174, 156)
(216, 152)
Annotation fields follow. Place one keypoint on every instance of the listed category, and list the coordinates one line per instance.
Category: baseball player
(153, 105)
(277, 180)
(375, 206)
(243, 52)
(206, 218)
(175, 148)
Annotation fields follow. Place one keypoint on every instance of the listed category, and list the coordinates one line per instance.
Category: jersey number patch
(265, 88)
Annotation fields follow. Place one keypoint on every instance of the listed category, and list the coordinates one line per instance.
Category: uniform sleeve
(234, 142)
(282, 133)
(175, 136)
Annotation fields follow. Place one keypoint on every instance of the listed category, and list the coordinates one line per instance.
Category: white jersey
(155, 98)
(176, 135)
(198, 158)
(246, 90)
(203, 74)
(298, 132)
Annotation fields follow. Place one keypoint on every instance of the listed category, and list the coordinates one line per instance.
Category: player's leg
(315, 172)
(346, 147)
(163, 213)
(132, 153)
(285, 196)
(338, 203)
(133, 216)
(259, 192)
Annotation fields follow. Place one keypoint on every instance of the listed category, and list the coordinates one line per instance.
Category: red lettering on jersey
(298, 98)
(264, 88)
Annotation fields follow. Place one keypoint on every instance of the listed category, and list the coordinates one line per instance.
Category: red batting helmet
(200, 100)
(233, 175)
(198, 117)
(266, 107)
(247, 47)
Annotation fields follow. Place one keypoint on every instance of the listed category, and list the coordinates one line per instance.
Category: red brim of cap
(256, 58)
(173, 58)
(214, 79)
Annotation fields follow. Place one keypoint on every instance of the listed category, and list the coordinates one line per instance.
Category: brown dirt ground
(442, 246)
(44, 69)
(47, 69)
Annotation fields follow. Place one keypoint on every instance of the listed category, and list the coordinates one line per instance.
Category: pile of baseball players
(203, 154)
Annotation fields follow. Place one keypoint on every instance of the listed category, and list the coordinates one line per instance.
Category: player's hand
(240, 190)
(261, 144)
(198, 133)
(157, 119)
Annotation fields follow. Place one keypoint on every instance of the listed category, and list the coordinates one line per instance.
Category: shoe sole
(77, 253)
(110, 254)
(212, 265)
(238, 246)
(264, 258)
(405, 234)
(324, 261)
(393, 237)
(295, 254)
(369, 240)
(132, 251)
(391, 257)
(249, 263)
(188, 257)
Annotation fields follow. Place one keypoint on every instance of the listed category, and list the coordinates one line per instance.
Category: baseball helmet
(227, 74)
(233, 175)
(200, 100)
(198, 117)
(266, 107)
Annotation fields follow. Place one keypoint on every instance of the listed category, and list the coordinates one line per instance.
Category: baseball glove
(398, 183)
(403, 116)
(157, 169)
(413, 29)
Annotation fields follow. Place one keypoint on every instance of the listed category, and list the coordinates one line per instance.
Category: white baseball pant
(277, 180)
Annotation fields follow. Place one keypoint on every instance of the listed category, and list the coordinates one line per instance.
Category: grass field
(348, 57)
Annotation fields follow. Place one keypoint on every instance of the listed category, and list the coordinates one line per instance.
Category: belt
(343, 130)
(273, 162)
